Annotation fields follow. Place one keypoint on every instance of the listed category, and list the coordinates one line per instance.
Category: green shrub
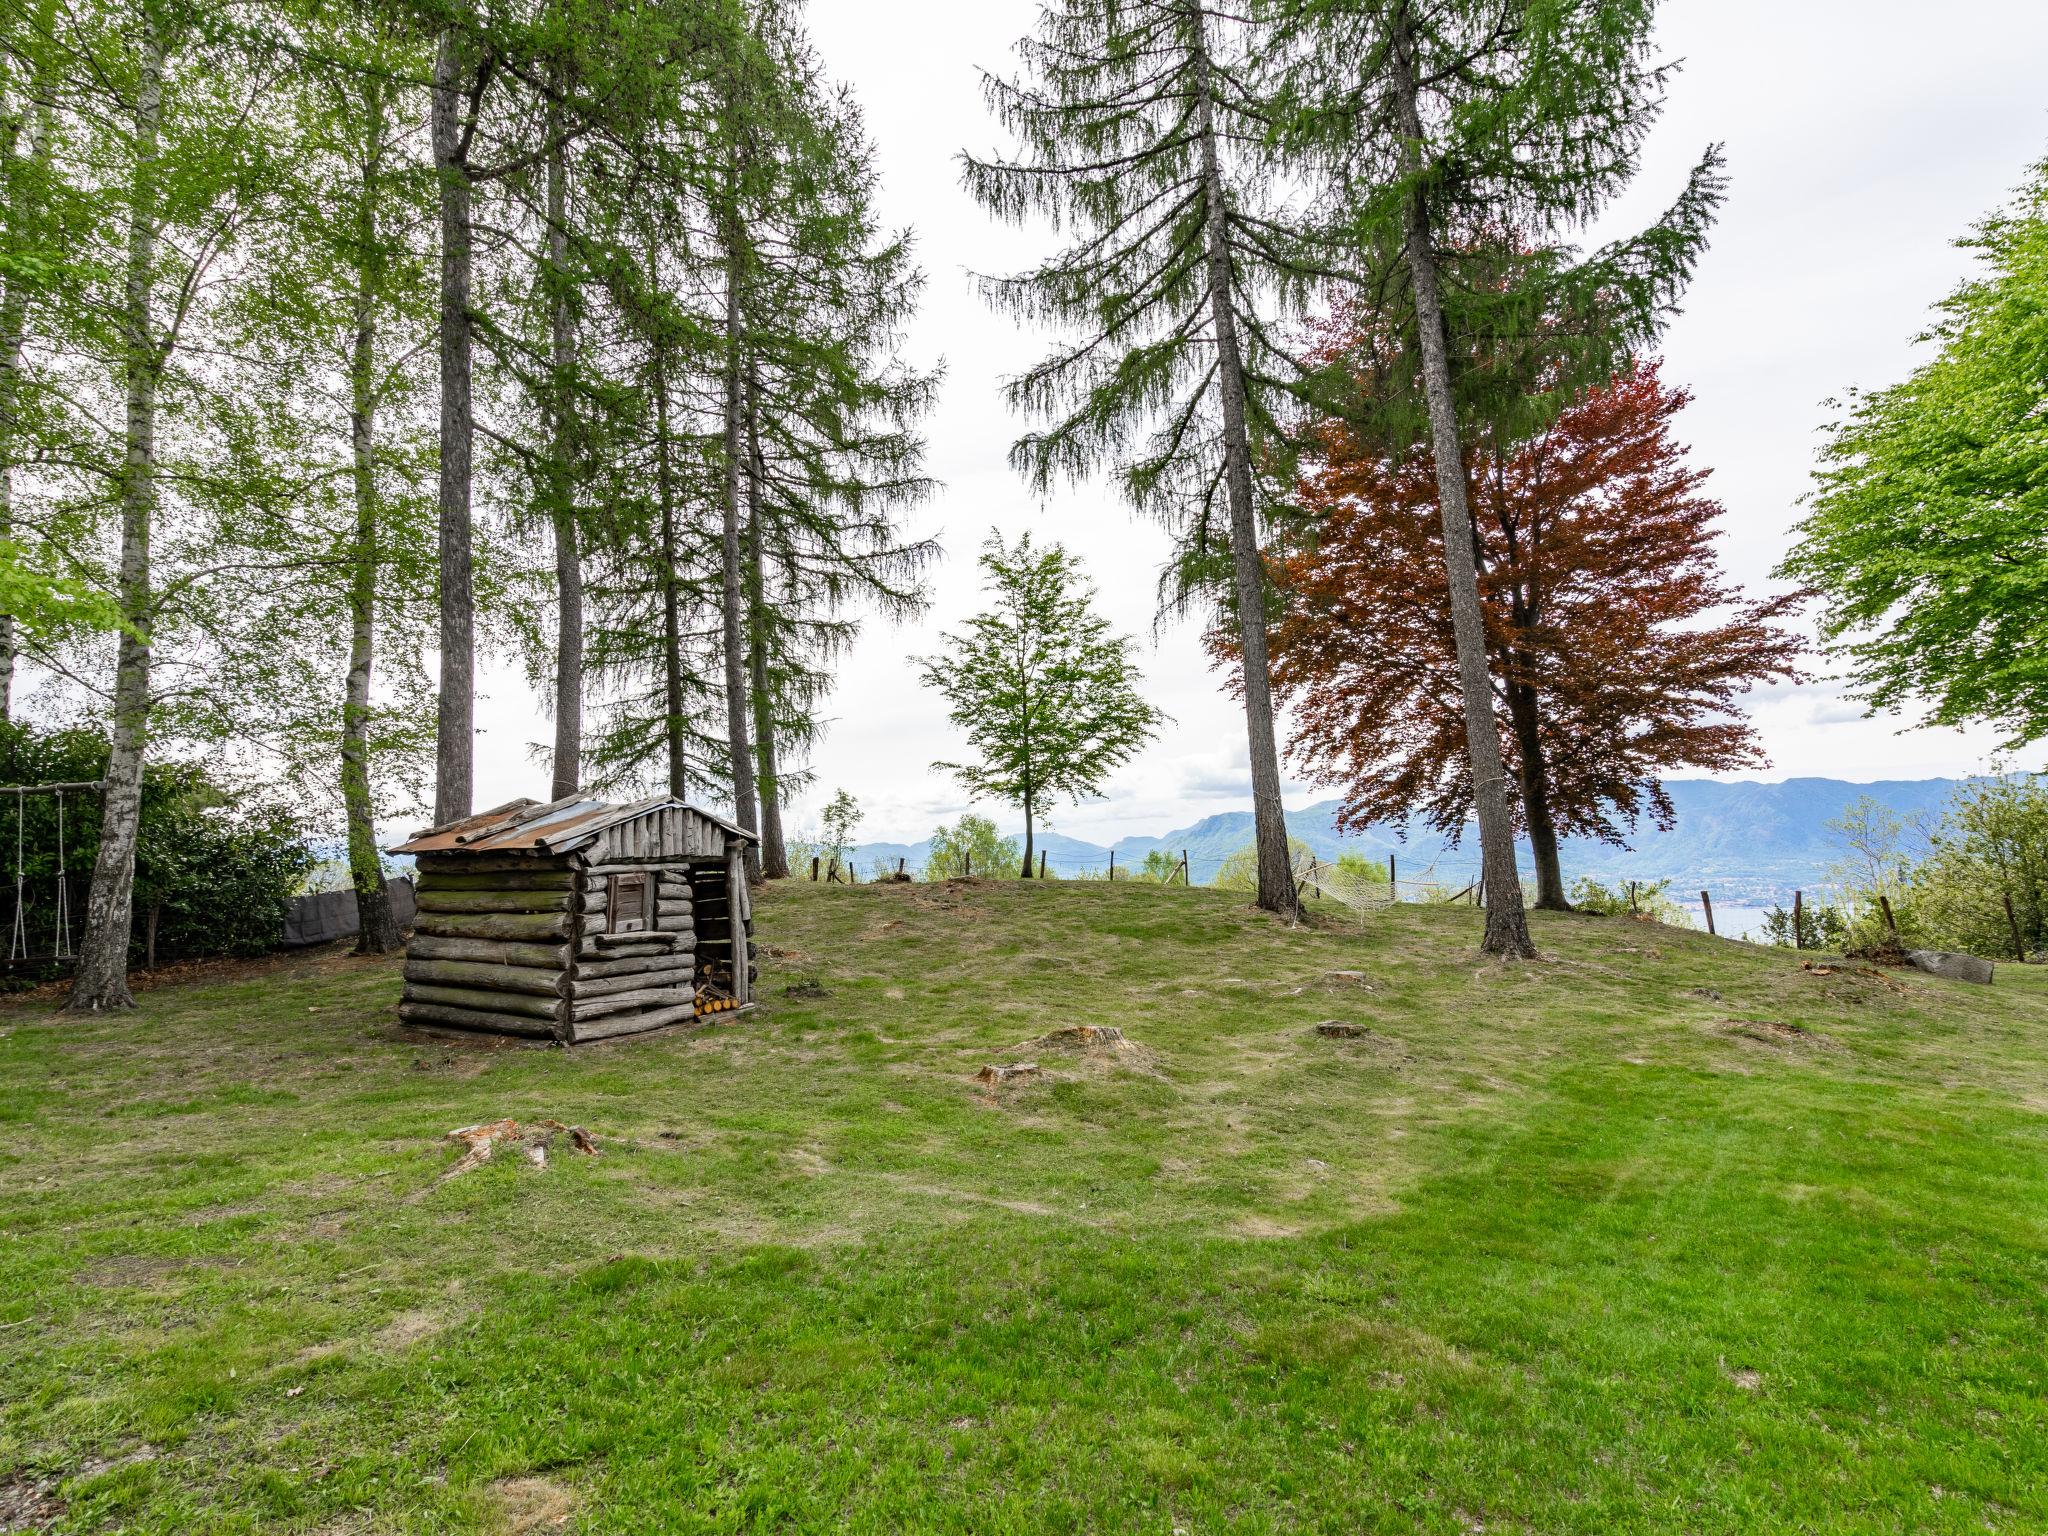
(211, 877)
(973, 843)
(1652, 901)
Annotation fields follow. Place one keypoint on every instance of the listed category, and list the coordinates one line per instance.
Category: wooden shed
(579, 920)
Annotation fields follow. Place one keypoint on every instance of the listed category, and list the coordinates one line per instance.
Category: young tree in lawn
(1439, 127)
(1047, 694)
(1616, 650)
(837, 822)
(1923, 538)
(1141, 128)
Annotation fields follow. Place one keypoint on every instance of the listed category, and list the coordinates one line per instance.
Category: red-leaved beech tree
(1616, 648)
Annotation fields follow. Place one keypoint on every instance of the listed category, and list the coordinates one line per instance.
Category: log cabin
(579, 920)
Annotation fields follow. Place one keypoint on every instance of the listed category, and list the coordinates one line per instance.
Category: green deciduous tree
(1047, 694)
(1927, 538)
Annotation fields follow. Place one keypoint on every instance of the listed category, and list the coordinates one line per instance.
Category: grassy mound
(1658, 1233)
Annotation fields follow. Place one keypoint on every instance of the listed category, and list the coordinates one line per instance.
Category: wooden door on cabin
(628, 904)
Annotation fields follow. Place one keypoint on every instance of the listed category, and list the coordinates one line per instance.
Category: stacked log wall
(491, 945)
(621, 982)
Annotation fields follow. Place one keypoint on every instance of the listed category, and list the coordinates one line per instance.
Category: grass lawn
(1658, 1234)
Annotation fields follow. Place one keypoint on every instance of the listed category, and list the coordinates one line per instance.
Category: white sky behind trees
(1863, 137)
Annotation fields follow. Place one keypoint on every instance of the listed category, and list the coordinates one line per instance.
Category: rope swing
(18, 947)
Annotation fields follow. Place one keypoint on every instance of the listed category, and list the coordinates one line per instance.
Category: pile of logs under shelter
(579, 920)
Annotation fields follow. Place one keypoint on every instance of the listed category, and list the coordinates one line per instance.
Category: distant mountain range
(1747, 842)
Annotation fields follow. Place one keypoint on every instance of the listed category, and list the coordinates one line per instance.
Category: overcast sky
(1863, 137)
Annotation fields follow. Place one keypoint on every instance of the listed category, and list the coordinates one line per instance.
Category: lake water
(1731, 921)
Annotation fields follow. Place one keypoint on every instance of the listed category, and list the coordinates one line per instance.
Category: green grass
(1659, 1234)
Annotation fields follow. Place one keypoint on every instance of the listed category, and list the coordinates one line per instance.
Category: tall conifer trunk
(455, 758)
(671, 600)
(377, 930)
(774, 850)
(1269, 818)
(568, 763)
(101, 980)
(1507, 925)
(740, 747)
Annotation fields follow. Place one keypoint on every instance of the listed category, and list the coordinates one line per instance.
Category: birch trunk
(568, 557)
(455, 768)
(739, 747)
(1269, 819)
(1507, 925)
(377, 928)
(101, 981)
(774, 850)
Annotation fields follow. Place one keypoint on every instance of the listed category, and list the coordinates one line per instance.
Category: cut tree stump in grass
(1337, 1029)
(995, 1075)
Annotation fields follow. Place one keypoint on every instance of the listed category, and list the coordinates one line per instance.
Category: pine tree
(1496, 127)
(1142, 128)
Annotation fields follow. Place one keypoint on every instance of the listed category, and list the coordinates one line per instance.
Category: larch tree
(1437, 129)
(1045, 691)
(1616, 650)
(1143, 129)
(1927, 534)
(834, 454)
(320, 666)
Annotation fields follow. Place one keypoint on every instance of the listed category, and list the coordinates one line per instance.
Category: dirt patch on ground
(333, 959)
(525, 1505)
(1771, 1032)
(29, 1504)
(407, 1329)
(141, 1272)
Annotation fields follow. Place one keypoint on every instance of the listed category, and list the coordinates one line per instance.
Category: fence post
(1393, 879)
(2019, 947)
(1799, 919)
(1633, 909)
(1041, 863)
(814, 869)
(1112, 866)
(900, 863)
(1707, 905)
(1187, 876)
(967, 862)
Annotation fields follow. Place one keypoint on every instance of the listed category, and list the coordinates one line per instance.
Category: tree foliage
(972, 846)
(1927, 535)
(1616, 649)
(1046, 693)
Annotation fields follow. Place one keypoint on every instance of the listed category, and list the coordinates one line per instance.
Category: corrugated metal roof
(527, 826)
